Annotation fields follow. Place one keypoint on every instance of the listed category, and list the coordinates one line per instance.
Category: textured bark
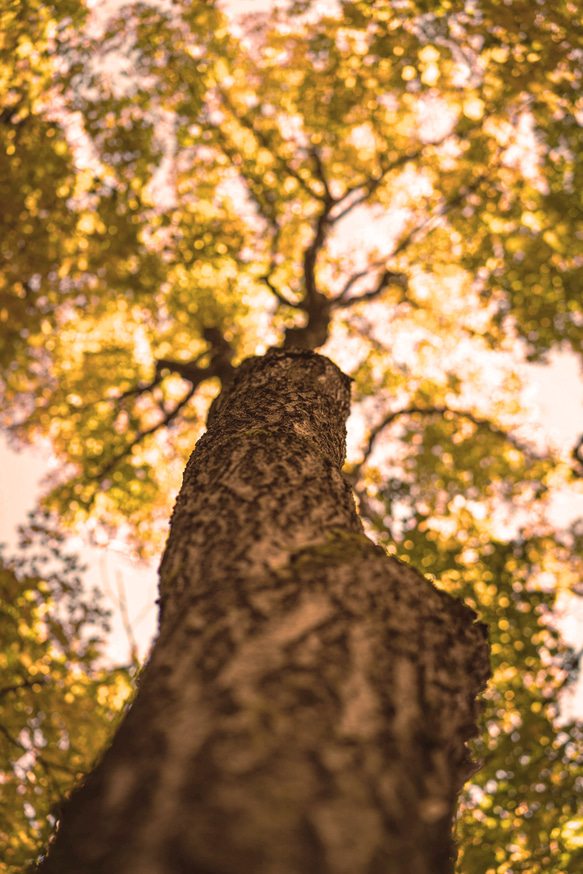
(307, 703)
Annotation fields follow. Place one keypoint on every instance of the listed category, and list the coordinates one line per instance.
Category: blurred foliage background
(395, 184)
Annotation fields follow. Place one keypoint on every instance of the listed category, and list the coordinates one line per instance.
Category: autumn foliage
(395, 184)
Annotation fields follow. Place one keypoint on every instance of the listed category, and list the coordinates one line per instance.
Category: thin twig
(27, 684)
(164, 422)
(14, 740)
(443, 209)
(137, 390)
(356, 276)
(246, 122)
(125, 616)
(253, 181)
(439, 410)
(387, 278)
(371, 185)
(275, 291)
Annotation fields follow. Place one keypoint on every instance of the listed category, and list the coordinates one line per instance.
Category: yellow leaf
(222, 70)
(429, 54)
(430, 75)
(553, 241)
(87, 223)
(473, 108)
(499, 55)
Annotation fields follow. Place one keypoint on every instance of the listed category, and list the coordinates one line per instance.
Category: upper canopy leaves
(192, 180)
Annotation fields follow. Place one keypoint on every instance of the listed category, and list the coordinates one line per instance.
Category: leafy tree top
(200, 190)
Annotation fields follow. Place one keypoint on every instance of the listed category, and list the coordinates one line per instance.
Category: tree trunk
(306, 705)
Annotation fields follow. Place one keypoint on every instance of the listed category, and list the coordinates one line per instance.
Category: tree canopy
(58, 704)
(394, 184)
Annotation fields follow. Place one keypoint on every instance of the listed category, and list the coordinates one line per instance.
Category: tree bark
(307, 702)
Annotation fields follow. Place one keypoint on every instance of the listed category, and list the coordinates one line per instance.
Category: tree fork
(306, 705)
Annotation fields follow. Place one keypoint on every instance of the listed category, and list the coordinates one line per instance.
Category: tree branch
(163, 423)
(219, 366)
(388, 277)
(276, 292)
(315, 305)
(247, 122)
(264, 206)
(312, 252)
(187, 370)
(27, 684)
(438, 410)
(371, 185)
(321, 174)
(13, 740)
(577, 456)
(46, 765)
(138, 390)
(356, 276)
